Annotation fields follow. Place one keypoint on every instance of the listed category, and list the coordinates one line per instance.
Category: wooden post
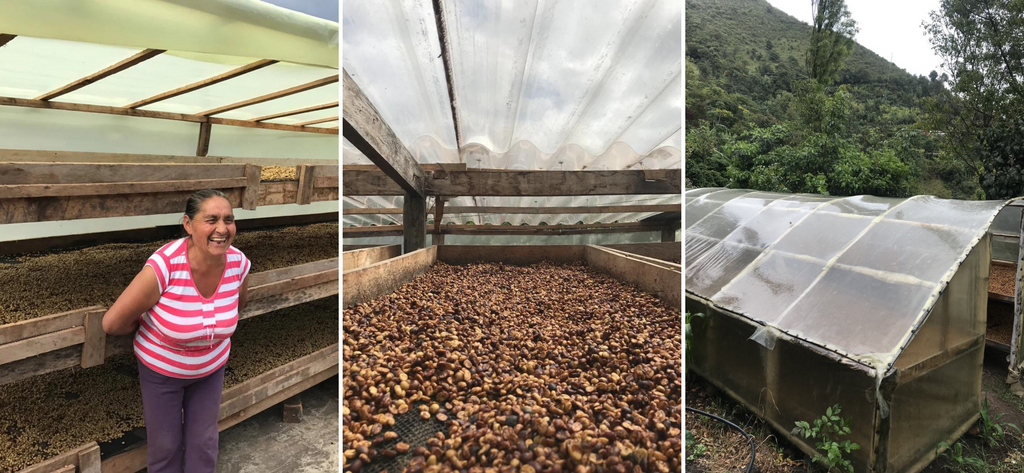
(668, 234)
(414, 223)
(1013, 377)
(89, 460)
(292, 410)
(251, 194)
(204, 139)
(438, 215)
(305, 174)
(94, 348)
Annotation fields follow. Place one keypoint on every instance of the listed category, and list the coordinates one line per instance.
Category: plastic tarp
(540, 85)
(60, 41)
(855, 275)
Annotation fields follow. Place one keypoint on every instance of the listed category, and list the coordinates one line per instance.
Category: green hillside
(753, 118)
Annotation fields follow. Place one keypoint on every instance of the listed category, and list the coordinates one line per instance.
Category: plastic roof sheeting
(856, 275)
(540, 85)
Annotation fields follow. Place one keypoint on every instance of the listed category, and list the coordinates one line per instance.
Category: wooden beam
(204, 139)
(603, 209)
(520, 183)
(371, 135)
(397, 230)
(438, 216)
(136, 58)
(306, 182)
(414, 220)
(273, 95)
(95, 341)
(129, 112)
(425, 166)
(314, 108)
(44, 343)
(6, 38)
(255, 66)
(21, 191)
(318, 120)
(441, 21)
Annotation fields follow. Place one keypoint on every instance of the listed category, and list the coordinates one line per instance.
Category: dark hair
(197, 198)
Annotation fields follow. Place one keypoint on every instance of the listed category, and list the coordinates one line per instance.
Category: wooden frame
(67, 339)
(355, 259)
(504, 183)
(238, 403)
(450, 229)
(600, 209)
(47, 156)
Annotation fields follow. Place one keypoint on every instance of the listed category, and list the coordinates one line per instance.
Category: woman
(189, 295)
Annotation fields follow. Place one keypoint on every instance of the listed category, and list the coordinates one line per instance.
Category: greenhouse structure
(111, 115)
(511, 189)
(876, 304)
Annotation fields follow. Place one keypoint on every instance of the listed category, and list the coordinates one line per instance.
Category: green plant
(956, 457)
(992, 431)
(826, 431)
(689, 333)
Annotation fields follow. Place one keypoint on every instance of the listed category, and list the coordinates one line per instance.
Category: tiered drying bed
(1002, 280)
(567, 361)
(61, 418)
(52, 306)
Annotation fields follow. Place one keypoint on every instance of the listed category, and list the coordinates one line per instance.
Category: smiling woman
(189, 295)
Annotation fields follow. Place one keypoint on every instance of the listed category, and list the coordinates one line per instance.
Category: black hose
(753, 451)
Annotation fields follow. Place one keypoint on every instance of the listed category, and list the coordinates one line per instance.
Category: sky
(326, 9)
(890, 28)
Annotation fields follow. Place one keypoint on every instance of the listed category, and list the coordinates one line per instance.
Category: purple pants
(181, 421)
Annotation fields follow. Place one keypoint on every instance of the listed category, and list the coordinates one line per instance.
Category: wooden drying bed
(238, 403)
(76, 338)
(37, 192)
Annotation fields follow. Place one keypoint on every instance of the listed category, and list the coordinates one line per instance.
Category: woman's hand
(141, 295)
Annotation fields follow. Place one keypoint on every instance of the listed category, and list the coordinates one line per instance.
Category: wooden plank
(371, 135)
(438, 216)
(305, 190)
(367, 283)
(289, 285)
(314, 108)
(6, 38)
(43, 325)
(655, 261)
(273, 95)
(316, 121)
(136, 58)
(204, 139)
(364, 257)
(277, 398)
(414, 220)
(89, 460)
(132, 112)
(430, 167)
(368, 232)
(60, 461)
(520, 183)
(278, 193)
(94, 343)
(30, 347)
(24, 191)
(396, 230)
(67, 357)
(78, 173)
(326, 181)
(289, 299)
(280, 274)
(255, 66)
(510, 254)
(33, 155)
(251, 195)
(272, 126)
(672, 252)
(72, 208)
(66, 469)
(664, 283)
(251, 391)
(453, 210)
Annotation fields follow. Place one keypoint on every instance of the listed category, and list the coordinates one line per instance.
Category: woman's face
(213, 229)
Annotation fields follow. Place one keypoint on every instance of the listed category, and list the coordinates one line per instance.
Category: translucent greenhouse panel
(258, 143)
(1005, 249)
(856, 314)
(924, 252)
(1008, 220)
(35, 66)
(806, 239)
(731, 215)
(717, 267)
(862, 205)
(767, 290)
(703, 205)
(61, 130)
(966, 214)
(767, 226)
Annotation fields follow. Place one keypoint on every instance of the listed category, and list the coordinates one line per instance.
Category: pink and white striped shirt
(186, 335)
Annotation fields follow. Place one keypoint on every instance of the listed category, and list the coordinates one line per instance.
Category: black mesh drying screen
(412, 430)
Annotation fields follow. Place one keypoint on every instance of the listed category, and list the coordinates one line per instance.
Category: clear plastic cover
(855, 275)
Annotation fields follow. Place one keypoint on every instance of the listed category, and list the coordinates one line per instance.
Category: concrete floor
(263, 443)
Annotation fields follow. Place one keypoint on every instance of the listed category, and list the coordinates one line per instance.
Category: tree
(933, 75)
(980, 44)
(831, 39)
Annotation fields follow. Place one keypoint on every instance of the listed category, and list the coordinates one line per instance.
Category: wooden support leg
(293, 410)
(438, 215)
(89, 460)
(204, 139)
(95, 345)
(414, 223)
(305, 194)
